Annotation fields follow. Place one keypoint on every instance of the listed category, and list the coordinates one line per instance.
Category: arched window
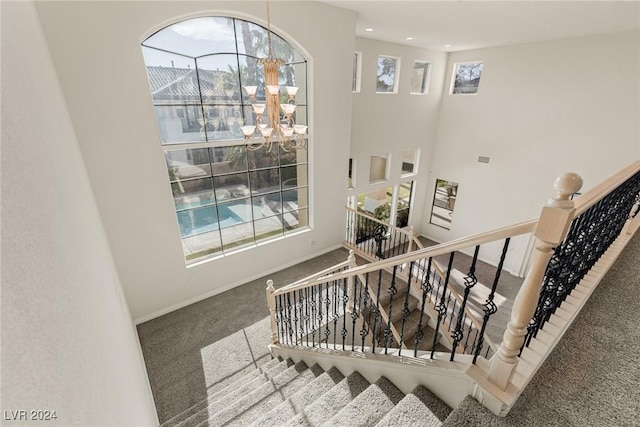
(225, 196)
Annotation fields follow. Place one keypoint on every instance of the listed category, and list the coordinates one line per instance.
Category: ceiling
(474, 24)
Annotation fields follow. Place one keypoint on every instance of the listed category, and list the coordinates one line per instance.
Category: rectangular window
(466, 78)
(420, 78)
(387, 74)
(410, 162)
(377, 203)
(405, 191)
(351, 178)
(444, 201)
(378, 168)
(357, 67)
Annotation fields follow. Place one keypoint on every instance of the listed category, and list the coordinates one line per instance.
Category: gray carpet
(196, 351)
(592, 378)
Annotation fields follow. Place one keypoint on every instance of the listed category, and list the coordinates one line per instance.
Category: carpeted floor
(195, 351)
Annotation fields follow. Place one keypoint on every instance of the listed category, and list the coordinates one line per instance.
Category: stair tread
(331, 402)
(398, 307)
(368, 407)
(249, 377)
(420, 407)
(296, 403)
(256, 403)
(221, 400)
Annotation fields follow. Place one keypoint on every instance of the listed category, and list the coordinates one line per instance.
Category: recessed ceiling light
(368, 30)
(447, 45)
(409, 38)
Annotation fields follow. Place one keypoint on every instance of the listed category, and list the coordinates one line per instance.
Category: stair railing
(342, 310)
(461, 322)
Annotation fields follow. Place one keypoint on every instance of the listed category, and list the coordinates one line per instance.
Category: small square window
(410, 162)
(466, 78)
(387, 75)
(357, 67)
(379, 168)
(420, 78)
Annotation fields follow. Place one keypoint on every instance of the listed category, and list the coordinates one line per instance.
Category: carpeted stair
(281, 393)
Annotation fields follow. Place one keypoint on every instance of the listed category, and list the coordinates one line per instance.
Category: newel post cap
(565, 184)
(270, 287)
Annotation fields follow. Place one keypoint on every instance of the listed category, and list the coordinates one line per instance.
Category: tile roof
(171, 83)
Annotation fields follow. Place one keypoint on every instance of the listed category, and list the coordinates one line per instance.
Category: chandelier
(274, 122)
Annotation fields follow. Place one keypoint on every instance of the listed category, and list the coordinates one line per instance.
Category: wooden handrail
(431, 251)
(591, 197)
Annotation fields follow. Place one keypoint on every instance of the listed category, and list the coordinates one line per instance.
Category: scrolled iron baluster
(426, 287)
(334, 298)
(489, 307)
(405, 309)
(470, 281)
(345, 300)
(365, 323)
(295, 317)
(357, 311)
(377, 316)
(441, 308)
(392, 291)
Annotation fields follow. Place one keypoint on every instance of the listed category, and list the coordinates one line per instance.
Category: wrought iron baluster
(466, 342)
(392, 291)
(314, 313)
(470, 281)
(366, 323)
(306, 313)
(426, 288)
(345, 300)
(489, 306)
(295, 317)
(334, 297)
(405, 309)
(290, 319)
(378, 317)
(357, 310)
(441, 308)
(278, 316)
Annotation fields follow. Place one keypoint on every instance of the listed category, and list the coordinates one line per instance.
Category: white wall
(68, 340)
(391, 123)
(541, 109)
(96, 51)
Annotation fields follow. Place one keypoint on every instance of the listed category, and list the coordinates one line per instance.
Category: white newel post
(351, 281)
(551, 230)
(271, 302)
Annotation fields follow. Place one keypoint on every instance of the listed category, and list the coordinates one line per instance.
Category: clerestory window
(225, 197)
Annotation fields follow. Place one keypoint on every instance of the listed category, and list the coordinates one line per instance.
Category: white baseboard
(225, 288)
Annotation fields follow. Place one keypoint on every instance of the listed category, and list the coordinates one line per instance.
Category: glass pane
(267, 205)
(228, 159)
(377, 203)
(192, 193)
(196, 37)
(378, 169)
(409, 161)
(293, 157)
(263, 158)
(235, 212)
(252, 39)
(419, 77)
(172, 78)
(197, 221)
(386, 80)
(233, 186)
(404, 204)
(251, 74)
(223, 122)
(237, 236)
(268, 227)
(295, 75)
(200, 245)
(300, 116)
(295, 219)
(467, 78)
(295, 199)
(179, 124)
(219, 82)
(183, 164)
(444, 200)
(265, 181)
(294, 176)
